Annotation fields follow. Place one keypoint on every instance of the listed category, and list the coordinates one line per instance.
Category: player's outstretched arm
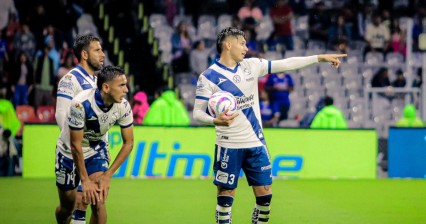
(90, 189)
(294, 63)
(126, 148)
(223, 119)
(334, 59)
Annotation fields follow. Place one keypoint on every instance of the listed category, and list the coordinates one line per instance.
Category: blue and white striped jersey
(87, 112)
(242, 82)
(74, 82)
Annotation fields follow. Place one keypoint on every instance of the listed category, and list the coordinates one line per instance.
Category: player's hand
(332, 58)
(90, 192)
(103, 184)
(223, 119)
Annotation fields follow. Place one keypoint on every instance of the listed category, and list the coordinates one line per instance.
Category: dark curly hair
(107, 74)
(226, 32)
(83, 43)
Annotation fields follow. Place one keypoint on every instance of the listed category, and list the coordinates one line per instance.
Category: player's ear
(105, 87)
(84, 55)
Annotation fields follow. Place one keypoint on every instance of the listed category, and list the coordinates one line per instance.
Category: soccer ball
(220, 101)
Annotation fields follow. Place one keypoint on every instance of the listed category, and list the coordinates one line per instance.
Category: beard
(94, 66)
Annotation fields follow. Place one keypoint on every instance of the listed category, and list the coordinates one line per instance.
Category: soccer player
(82, 148)
(88, 50)
(240, 143)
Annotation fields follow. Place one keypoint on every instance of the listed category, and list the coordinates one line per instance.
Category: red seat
(46, 114)
(26, 113)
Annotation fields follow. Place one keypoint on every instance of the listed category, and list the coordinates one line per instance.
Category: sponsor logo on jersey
(246, 72)
(268, 167)
(77, 114)
(221, 81)
(92, 118)
(222, 177)
(78, 106)
(224, 137)
(68, 76)
(74, 121)
(250, 79)
(85, 82)
(127, 113)
(236, 79)
(65, 84)
(245, 102)
(103, 118)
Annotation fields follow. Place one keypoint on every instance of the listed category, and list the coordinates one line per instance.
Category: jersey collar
(226, 68)
(92, 77)
(100, 102)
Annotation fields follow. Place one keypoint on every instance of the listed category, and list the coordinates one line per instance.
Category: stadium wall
(176, 152)
(406, 153)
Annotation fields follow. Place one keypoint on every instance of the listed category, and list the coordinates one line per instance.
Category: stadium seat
(46, 114)
(223, 21)
(26, 114)
(374, 58)
(394, 59)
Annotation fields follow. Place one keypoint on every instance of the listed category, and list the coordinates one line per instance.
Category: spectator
(377, 36)
(22, 81)
(8, 118)
(4, 58)
(199, 58)
(410, 118)
(319, 22)
(44, 79)
(8, 153)
(167, 110)
(12, 29)
(250, 10)
(307, 119)
(400, 79)
(381, 78)
(25, 41)
(280, 86)
(68, 63)
(397, 41)
(329, 117)
(364, 17)
(181, 46)
(140, 107)
(281, 15)
(268, 111)
(339, 35)
(7, 8)
(417, 82)
(251, 43)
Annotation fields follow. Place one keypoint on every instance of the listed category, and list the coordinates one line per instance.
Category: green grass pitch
(165, 201)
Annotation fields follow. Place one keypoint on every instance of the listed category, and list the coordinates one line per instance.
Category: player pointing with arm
(82, 148)
(240, 143)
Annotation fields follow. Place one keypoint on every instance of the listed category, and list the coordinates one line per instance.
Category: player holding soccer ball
(240, 143)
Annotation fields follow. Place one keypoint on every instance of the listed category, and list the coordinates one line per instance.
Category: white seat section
(374, 58)
(85, 25)
(223, 21)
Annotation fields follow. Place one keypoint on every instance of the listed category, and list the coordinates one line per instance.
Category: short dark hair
(226, 32)
(328, 100)
(82, 43)
(6, 133)
(107, 74)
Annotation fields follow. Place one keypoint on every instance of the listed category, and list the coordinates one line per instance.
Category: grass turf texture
(166, 201)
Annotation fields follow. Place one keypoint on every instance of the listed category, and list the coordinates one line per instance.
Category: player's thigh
(257, 166)
(226, 167)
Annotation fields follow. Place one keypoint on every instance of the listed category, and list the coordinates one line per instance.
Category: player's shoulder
(85, 95)
(251, 61)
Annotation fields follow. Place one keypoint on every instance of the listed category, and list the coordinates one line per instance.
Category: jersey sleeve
(202, 95)
(76, 115)
(67, 87)
(259, 66)
(126, 118)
